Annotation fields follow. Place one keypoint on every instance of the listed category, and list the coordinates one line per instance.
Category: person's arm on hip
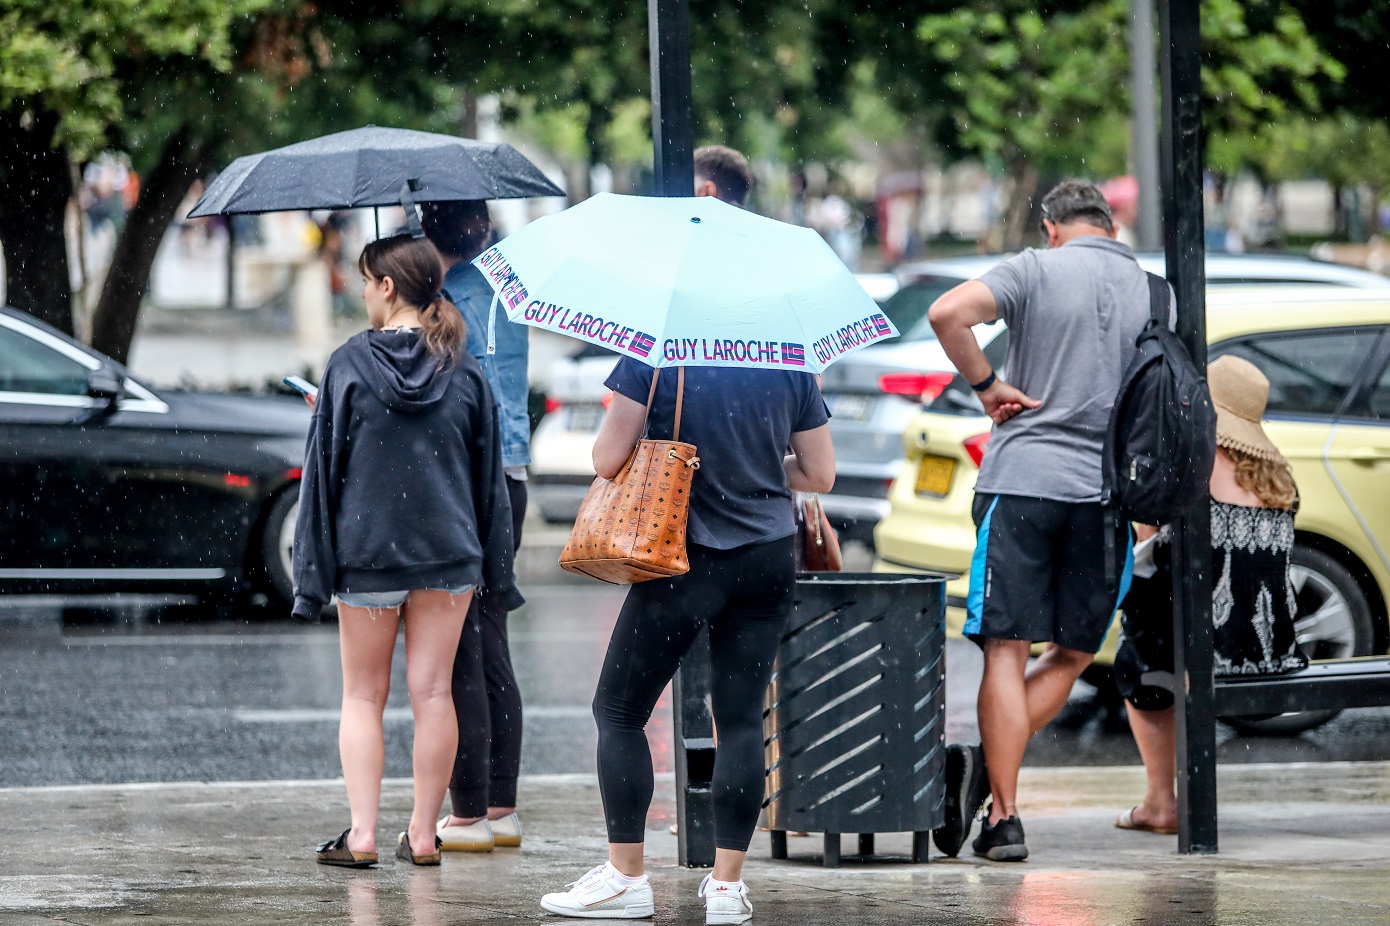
(952, 316)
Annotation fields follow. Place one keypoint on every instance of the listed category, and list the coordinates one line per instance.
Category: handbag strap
(680, 399)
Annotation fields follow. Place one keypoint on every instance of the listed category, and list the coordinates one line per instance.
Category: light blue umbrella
(676, 281)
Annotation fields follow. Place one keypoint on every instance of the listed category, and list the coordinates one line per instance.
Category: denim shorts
(390, 599)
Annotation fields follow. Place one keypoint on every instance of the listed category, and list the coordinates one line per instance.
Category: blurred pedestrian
(482, 791)
(403, 514)
(1039, 573)
(1253, 499)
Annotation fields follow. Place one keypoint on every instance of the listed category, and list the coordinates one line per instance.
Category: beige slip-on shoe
(475, 837)
(506, 831)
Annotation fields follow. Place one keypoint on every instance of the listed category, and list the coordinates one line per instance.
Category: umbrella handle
(492, 323)
(412, 218)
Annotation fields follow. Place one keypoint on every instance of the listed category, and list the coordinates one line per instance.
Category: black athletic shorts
(1038, 573)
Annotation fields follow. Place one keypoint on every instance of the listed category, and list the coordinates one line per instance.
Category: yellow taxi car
(1326, 352)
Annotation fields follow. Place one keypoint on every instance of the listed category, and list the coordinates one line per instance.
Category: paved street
(95, 703)
(112, 700)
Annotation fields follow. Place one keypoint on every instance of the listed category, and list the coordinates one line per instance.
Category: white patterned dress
(1252, 604)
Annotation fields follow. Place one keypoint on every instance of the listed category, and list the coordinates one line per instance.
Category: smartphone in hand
(301, 385)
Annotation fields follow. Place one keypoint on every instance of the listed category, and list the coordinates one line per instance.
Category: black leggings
(744, 596)
(487, 702)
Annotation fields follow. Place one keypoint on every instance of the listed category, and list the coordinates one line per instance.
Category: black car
(107, 485)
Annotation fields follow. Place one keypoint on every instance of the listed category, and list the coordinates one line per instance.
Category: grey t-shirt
(1073, 313)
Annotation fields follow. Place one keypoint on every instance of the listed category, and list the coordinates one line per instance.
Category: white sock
(623, 879)
(735, 886)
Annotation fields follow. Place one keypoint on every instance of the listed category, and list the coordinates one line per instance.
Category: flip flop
(1126, 821)
(336, 852)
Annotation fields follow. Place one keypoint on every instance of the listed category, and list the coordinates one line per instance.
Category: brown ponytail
(415, 267)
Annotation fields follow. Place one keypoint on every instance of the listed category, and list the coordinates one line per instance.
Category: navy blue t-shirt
(740, 422)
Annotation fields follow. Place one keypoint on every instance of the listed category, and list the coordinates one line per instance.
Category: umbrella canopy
(367, 167)
(685, 282)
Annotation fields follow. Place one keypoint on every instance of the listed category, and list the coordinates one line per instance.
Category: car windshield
(908, 307)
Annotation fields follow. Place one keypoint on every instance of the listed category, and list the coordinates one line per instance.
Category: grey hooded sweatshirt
(403, 483)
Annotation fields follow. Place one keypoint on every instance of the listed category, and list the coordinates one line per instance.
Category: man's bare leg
(1004, 718)
(1016, 700)
(1049, 681)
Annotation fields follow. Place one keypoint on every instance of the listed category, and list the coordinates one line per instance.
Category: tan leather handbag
(632, 528)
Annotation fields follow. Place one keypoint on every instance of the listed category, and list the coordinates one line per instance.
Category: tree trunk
(1024, 184)
(118, 309)
(35, 187)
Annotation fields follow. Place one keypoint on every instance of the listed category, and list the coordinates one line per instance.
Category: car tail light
(607, 400)
(923, 386)
(975, 446)
(553, 405)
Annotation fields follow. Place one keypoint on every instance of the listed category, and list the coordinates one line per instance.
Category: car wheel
(1333, 622)
(277, 546)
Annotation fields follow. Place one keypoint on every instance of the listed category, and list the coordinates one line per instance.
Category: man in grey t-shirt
(1039, 569)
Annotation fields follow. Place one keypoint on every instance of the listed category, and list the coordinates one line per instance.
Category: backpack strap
(1159, 306)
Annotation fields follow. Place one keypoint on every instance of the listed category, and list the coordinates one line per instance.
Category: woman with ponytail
(403, 515)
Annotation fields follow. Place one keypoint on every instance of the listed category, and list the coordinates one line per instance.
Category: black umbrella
(373, 166)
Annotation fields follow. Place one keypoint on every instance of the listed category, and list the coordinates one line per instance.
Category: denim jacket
(505, 369)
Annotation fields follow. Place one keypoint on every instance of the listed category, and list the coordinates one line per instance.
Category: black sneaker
(1002, 842)
(967, 786)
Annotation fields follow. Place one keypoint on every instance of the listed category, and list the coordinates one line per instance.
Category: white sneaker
(724, 905)
(475, 837)
(506, 831)
(599, 895)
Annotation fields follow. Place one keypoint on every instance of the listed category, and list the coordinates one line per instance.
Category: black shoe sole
(962, 784)
(1004, 853)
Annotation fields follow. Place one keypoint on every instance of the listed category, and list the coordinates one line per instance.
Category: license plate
(850, 405)
(585, 417)
(934, 475)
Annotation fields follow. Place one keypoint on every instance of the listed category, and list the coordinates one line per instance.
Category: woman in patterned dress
(1253, 500)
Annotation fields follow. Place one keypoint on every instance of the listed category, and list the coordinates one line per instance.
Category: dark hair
(459, 228)
(727, 169)
(414, 266)
(1077, 201)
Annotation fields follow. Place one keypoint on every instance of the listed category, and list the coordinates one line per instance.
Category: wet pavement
(96, 712)
(1299, 844)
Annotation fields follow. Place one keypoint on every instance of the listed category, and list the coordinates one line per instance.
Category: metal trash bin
(855, 716)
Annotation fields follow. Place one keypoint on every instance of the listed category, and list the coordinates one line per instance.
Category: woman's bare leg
(1155, 733)
(433, 623)
(367, 637)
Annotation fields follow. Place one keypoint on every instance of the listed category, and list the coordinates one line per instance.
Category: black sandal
(406, 854)
(336, 852)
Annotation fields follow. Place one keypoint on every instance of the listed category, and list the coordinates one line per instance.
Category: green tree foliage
(69, 57)
(61, 91)
(1042, 91)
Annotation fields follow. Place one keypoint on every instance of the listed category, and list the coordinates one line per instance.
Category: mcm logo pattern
(632, 528)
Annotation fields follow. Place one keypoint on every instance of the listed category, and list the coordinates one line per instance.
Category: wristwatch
(985, 383)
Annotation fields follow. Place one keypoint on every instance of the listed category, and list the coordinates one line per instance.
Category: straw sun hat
(1240, 391)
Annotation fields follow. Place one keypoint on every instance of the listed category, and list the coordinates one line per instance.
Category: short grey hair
(1077, 201)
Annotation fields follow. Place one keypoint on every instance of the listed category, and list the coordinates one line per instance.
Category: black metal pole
(673, 143)
(673, 119)
(1183, 238)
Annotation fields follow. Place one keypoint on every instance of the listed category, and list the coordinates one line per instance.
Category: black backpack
(1161, 441)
